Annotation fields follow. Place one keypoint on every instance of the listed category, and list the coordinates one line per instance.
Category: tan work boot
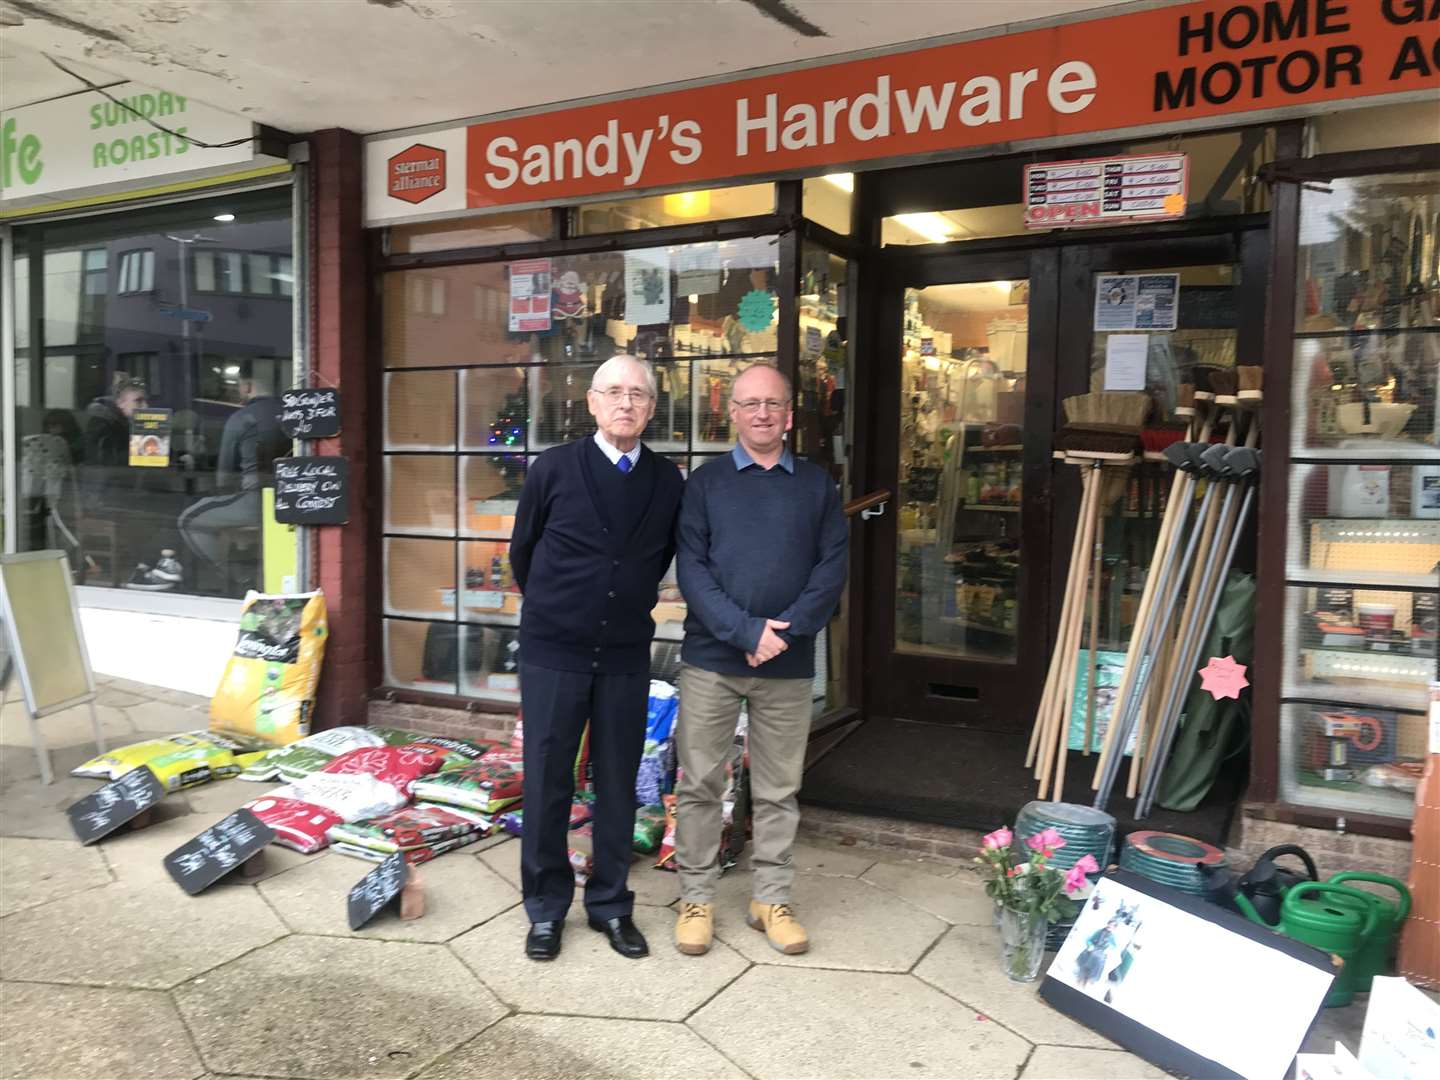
(695, 928)
(783, 930)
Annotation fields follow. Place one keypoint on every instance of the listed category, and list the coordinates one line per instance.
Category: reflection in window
(204, 364)
(528, 337)
(678, 208)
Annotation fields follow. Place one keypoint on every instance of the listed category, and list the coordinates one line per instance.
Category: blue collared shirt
(743, 460)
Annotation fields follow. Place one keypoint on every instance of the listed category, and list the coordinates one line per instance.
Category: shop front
(151, 279)
(881, 230)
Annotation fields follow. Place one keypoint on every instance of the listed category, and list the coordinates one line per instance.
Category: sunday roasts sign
(312, 490)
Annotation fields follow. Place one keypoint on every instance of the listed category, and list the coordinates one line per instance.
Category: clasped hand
(771, 644)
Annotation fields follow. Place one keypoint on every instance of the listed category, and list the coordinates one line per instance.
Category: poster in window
(150, 438)
(647, 287)
(530, 296)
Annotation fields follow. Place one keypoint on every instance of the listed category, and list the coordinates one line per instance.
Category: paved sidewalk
(108, 970)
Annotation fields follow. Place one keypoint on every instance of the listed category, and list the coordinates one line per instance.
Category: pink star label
(1222, 677)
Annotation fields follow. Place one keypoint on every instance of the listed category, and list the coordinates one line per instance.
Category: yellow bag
(268, 689)
(177, 761)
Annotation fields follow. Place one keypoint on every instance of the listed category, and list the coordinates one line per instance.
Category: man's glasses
(752, 405)
(615, 395)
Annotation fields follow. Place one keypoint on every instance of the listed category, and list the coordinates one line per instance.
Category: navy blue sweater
(590, 565)
(756, 544)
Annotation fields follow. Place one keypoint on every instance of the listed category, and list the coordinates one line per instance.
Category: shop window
(827, 200)
(678, 208)
(952, 226)
(82, 384)
(1363, 541)
(461, 434)
(137, 271)
(515, 227)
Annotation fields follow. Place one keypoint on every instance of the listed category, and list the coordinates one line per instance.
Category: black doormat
(978, 780)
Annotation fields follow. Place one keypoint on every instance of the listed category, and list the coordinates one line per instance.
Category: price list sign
(197, 864)
(375, 890)
(1106, 191)
(118, 803)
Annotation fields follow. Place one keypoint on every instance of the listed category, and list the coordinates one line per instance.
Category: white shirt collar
(615, 455)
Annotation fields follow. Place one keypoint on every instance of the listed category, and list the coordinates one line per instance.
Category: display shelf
(1013, 448)
(970, 624)
(1362, 677)
(1386, 455)
(1362, 579)
(1305, 335)
(994, 508)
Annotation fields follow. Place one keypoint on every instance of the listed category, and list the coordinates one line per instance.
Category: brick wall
(1332, 851)
(430, 720)
(341, 562)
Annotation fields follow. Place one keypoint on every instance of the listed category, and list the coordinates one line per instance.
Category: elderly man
(762, 562)
(593, 536)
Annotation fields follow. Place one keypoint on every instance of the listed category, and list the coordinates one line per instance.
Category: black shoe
(624, 936)
(543, 941)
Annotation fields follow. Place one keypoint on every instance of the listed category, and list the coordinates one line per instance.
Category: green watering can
(1375, 957)
(1341, 921)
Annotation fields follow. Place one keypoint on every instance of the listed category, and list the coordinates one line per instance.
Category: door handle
(873, 512)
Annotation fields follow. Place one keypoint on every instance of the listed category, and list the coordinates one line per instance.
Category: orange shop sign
(1156, 69)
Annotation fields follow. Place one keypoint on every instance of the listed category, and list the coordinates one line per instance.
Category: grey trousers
(779, 731)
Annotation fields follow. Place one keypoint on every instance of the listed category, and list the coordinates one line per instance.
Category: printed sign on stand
(1106, 191)
(118, 803)
(150, 438)
(375, 890)
(310, 414)
(530, 296)
(312, 490)
(198, 863)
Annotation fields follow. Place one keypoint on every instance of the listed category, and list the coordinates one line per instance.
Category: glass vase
(1022, 943)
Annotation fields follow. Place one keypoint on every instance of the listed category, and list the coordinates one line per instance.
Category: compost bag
(268, 689)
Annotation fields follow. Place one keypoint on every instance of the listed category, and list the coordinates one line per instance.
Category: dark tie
(624, 464)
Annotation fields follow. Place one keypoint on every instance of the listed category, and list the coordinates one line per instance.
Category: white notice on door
(1125, 361)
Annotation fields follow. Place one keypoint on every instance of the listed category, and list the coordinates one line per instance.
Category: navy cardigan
(589, 590)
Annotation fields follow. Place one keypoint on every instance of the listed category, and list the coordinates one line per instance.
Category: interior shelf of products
(1363, 546)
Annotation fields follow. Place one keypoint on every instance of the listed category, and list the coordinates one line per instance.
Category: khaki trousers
(778, 734)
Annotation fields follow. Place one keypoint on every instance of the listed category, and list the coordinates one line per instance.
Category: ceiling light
(694, 298)
(936, 228)
(687, 204)
(224, 217)
(843, 180)
(232, 369)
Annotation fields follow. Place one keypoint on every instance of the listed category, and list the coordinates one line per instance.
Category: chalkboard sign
(199, 863)
(310, 414)
(376, 889)
(312, 491)
(104, 810)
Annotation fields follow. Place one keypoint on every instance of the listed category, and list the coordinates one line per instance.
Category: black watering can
(1261, 889)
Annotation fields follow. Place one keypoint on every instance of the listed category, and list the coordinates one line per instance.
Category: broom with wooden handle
(1182, 488)
(1056, 737)
(1043, 729)
(1094, 542)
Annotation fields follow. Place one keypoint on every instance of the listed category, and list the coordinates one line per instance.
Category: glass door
(961, 601)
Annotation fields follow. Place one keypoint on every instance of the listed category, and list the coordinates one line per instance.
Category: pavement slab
(966, 965)
(460, 894)
(69, 728)
(658, 888)
(960, 900)
(1072, 1063)
(166, 717)
(83, 1032)
(795, 1023)
(821, 861)
(569, 1047)
(343, 1008)
(591, 979)
(38, 871)
(18, 763)
(148, 935)
(225, 796)
(30, 808)
(138, 855)
(851, 925)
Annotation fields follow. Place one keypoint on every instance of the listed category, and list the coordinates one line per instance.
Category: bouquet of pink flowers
(1032, 887)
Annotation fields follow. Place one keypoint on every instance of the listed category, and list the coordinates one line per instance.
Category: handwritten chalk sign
(376, 889)
(312, 491)
(118, 803)
(310, 414)
(199, 863)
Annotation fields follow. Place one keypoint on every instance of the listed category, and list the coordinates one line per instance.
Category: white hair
(609, 368)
